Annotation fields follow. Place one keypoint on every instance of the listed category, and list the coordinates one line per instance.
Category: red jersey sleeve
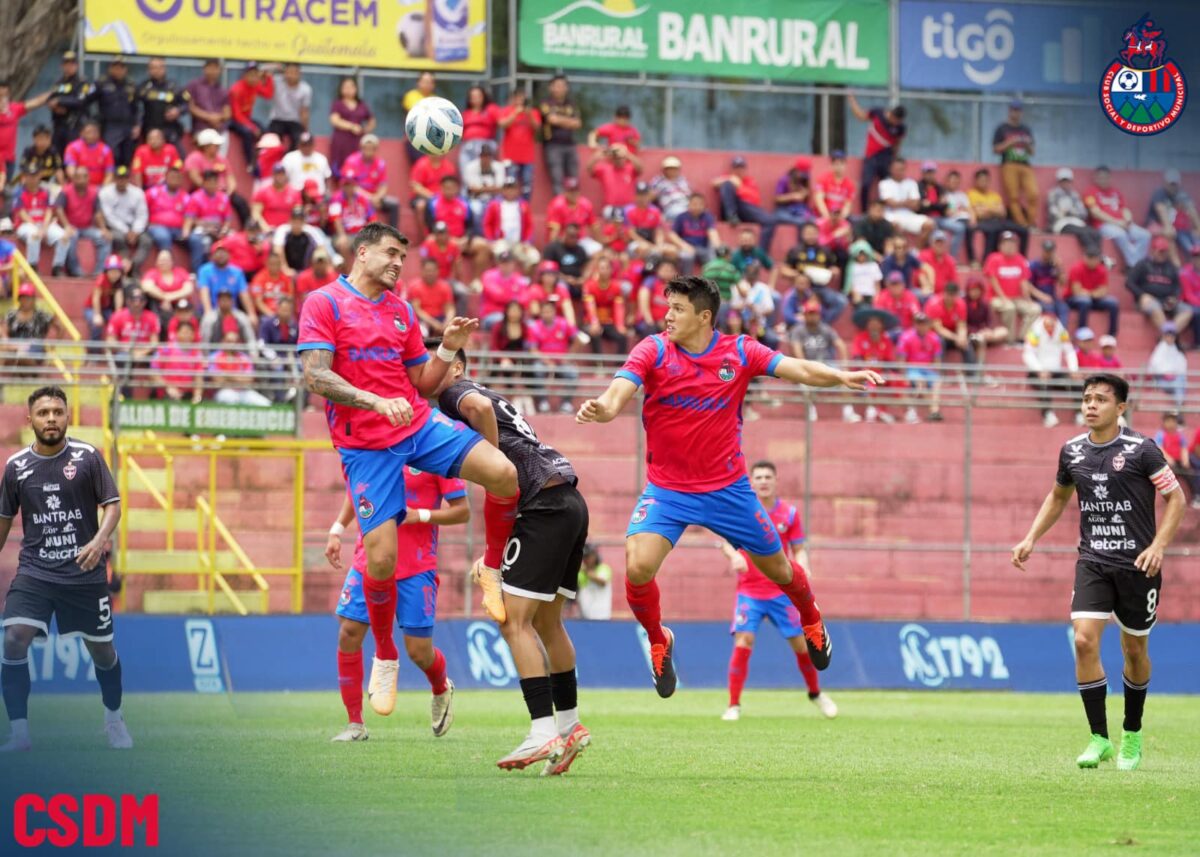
(317, 324)
(646, 355)
(759, 359)
(451, 489)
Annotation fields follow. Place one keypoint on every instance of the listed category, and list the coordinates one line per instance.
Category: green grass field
(896, 773)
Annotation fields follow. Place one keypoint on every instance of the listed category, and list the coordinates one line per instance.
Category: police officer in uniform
(163, 103)
(68, 102)
(120, 109)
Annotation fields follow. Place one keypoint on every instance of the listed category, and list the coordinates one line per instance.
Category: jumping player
(362, 351)
(695, 380)
(540, 572)
(416, 595)
(57, 484)
(1119, 572)
(759, 598)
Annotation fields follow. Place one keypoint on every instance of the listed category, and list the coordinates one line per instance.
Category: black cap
(297, 211)
(117, 60)
(738, 161)
(32, 170)
(41, 129)
(837, 155)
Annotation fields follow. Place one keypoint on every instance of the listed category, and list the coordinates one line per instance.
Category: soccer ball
(434, 126)
(1127, 79)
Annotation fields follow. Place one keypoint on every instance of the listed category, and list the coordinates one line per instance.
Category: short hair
(983, 171)
(432, 342)
(623, 111)
(40, 130)
(699, 196)
(4, 84)
(558, 77)
(54, 392)
(373, 233)
(701, 293)
(191, 325)
(88, 122)
(899, 111)
(762, 462)
(212, 61)
(1120, 386)
(954, 173)
(899, 159)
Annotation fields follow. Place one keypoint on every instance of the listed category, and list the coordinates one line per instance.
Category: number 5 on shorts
(105, 609)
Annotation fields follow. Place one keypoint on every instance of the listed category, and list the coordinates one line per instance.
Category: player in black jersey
(1116, 472)
(541, 566)
(57, 484)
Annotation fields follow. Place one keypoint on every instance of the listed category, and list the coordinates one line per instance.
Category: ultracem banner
(787, 40)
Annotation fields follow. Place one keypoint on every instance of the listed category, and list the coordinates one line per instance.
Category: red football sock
(437, 672)
(380, 596)
(498, 516)
(739, 668)
(800, 594)
(350, 682)
(644, 602)
(810, 672)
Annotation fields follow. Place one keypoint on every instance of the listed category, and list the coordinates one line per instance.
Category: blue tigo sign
(1031, 48)
(296, 653)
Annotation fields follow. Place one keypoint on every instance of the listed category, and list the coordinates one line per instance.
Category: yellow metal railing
(212, 533)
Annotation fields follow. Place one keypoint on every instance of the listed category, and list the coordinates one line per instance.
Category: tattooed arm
(319, 378)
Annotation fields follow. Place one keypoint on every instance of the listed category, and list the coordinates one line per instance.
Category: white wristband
(446, 354)
(337, 529)
(423, 516)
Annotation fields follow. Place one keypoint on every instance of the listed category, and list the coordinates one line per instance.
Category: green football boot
(1100, 749)
(1131, 751)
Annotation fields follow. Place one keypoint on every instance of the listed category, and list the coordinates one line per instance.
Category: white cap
(1172, 176)
(1084, 334)
(1064, 174)
(1108, 340)
(6, 224)
(209, 137)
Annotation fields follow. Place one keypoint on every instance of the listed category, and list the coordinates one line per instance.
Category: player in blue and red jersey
(759, 598)
(695, 380)
(362, 351)
(416, 595)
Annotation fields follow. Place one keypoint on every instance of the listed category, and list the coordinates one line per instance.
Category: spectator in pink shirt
(179, 367)
(207, 218)
(921, 348)
(371, 170)
(1189, 293)
(207, 157)
(91, 155)
(498, 287)
(617, 169)
(899, 301)
(549, 285)
(167, 205)
(79, 215)
(550, 336)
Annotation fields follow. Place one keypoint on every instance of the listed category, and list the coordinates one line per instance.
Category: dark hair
(700, 195)
(337, 93)
(41, 129)
(762, 462)
(487, 97)
(433, 342)
(373, 233)
(42, 392)
(558, 77)
(188, 323)
(700, 292)
(983, 171)
(954, 173)
(4, 84)
(1120, 386)
(212, 61)
(623, 111)
(899, 111)
(88, 122)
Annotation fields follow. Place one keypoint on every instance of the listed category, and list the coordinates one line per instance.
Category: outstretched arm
(455, 335)
(611, 403)
(816, 374)
(1052, 509)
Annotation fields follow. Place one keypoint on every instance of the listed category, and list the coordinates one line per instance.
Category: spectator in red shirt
(1087, 290)
(1173, 443)
(425, 181)
(79, 215)
(90, 155)
(550, 336)
(651, 302)
(10, 116)
(108, 296)
(135, 329)
(271, 285)
(646, 222)
(1087, 351)
(179, 366)
(921, 348)
(508, 224)
(274, 201)
(899, 300)
(520, 124)
(498, 287)
(871, 347)
(1114, 219)
(322, 273)
(349, 211)
(371, 170)
(166, 284)
(617, 169)
(232, 371)
(619, 132)
(442, 249)
(1008, 274)
(741, 200)
(152, 158)
(937, 265)
(604, 308)
(36, 221)
(885, 133)
(481, 119)
(431, 297)
(948, 318)
(548, 285)
(571, 207)
(834, 191)
(980, 324)
(255, 83)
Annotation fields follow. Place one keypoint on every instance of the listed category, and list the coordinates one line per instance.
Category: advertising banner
(448, 35)
(785, 40)
(1031, 48)
(294, 653)
(207, 418)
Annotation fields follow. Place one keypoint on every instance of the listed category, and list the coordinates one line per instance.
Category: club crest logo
(1118, 462)
(726, 373)
(639, 514)
(365, 507)
(1143, 91)
(69, 471)
(401, 324)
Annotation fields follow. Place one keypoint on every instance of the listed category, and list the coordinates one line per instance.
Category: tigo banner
(785, 40)
(449, 35)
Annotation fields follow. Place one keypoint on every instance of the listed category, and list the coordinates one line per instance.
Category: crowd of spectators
(928, 270)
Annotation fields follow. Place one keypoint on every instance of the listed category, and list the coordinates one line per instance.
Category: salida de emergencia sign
(207, 418)
(792, 40)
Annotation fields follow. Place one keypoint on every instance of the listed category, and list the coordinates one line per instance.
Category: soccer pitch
(896, 773)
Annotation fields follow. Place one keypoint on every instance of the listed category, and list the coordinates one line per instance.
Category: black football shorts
(544, 552)
(80, 610)
(1128, 595)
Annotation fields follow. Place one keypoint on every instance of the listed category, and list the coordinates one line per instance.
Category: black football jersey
(536, 462)
(1117, 483)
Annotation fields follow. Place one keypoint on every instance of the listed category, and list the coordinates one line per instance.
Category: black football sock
(538, 698)
(1135, 702)
(14, 677)
(110, 685)
(565, 690)
(1094, 694)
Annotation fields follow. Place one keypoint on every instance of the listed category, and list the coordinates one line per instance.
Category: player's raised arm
(428, 376)
(1052, 508)
(609, 404)
(815, 374)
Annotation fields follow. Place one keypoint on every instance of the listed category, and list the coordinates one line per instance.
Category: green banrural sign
(207, 418)
(785, 40)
